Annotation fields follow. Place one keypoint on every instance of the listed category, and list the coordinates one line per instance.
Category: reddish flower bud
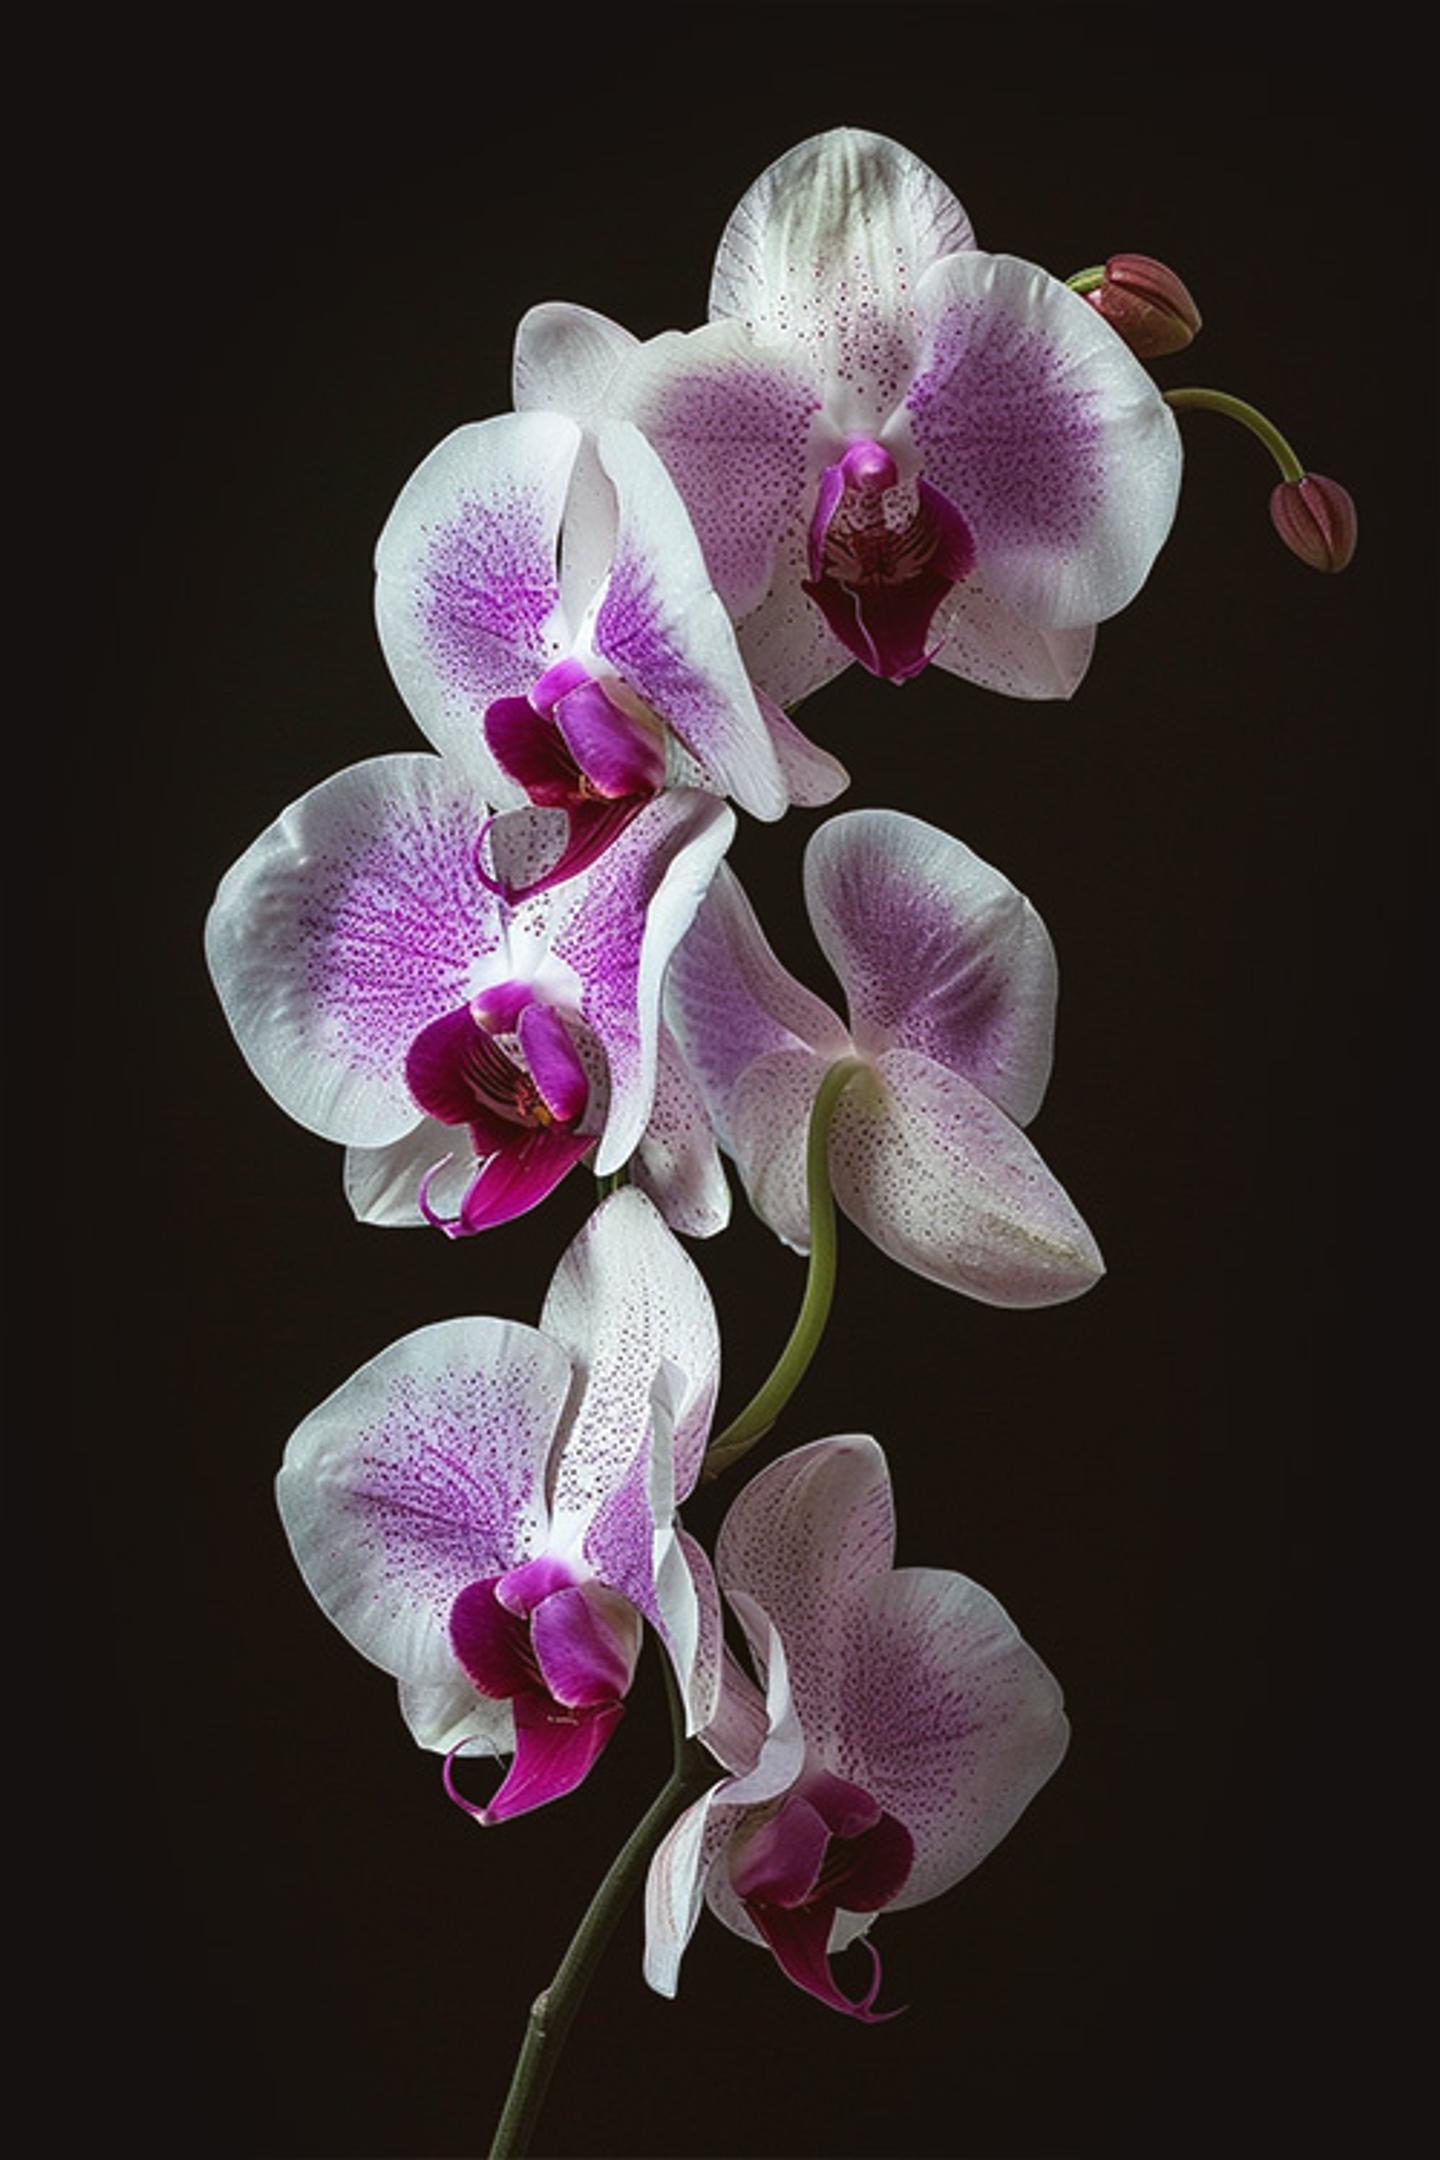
(1147, 305)
(1315, 518)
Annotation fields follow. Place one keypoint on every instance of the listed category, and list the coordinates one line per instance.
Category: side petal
(382, 1184)
(812, 776)
(827, 248)
(565, 359)
(422, 1473)
(946, 1716)
(732, 421)
(937, 951)
(729, 1001)
(985, 643)
(788, 647)
(445, 1713)
(467, 587)
(636, 904)
(767, 1133)
(1048, 436)
(664, 630)
(626, 1299)
(798, 1542)
(677, 1163)
(946, 1184)
(354, 921)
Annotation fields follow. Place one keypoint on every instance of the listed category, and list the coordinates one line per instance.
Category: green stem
(1235, 408)
(1087, 280)
(760, 1413)
(553, 2010)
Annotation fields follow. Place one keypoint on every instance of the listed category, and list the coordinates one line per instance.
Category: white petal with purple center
(987, 644)
(677, 1162)
(423, 1473)
(937, 952)
(735, 425)
(467, 586)
(946, 1716)
(353, 922)
(1046, 434)
(663, 629)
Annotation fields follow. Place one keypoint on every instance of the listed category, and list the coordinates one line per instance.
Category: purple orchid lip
(829, 1847)
(556, 1650)
(573, 748)
(882, 558)
(521, 1122)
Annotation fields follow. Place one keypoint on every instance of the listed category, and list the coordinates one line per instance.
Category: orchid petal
(729, 1001)
(826, 250)
(382, 1184)
(618, 755)
(798, 1541)
(625, 1300)
(467, 592)
(565, 359)
(946, 1184)
(984, 643)
(946, 1715)
(937, 952)
(732, 422)
(445, 1713)
(677, 1163)
(422, 1474)
(663, 629)
(1047, 434)
(554, 1067)
(586, 1641)
(811, 775)
(636, 904)
(788, 647)
(350, 924)
(767, 1132)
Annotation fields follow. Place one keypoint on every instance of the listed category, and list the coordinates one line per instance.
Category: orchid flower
(581, 688)
(951, 982)
(486, 1510)
(906, 1726)
(467, 1053)
(896, 448)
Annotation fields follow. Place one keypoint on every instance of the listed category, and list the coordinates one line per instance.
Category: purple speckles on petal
(1007, 427)
(488, 587)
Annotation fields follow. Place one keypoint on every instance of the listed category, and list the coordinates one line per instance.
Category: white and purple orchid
(905, 1727)
(486, 1510)
(546, 613)
(951, 982)
(896, 448)
(467, 1053)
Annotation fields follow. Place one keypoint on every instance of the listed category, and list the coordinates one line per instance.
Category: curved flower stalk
(486, 1510)
(583, 689)
(951, 981)
(467, 1053)
(906, 1726)
(896, 448)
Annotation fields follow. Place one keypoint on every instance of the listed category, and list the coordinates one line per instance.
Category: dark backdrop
(295, 271)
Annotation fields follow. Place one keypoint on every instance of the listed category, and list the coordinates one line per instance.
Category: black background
(281, 272)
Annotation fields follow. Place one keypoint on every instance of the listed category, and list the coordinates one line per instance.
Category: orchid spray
(480, 966)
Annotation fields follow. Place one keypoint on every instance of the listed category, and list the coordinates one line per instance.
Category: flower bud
(1315, 518)
(1146, 305)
